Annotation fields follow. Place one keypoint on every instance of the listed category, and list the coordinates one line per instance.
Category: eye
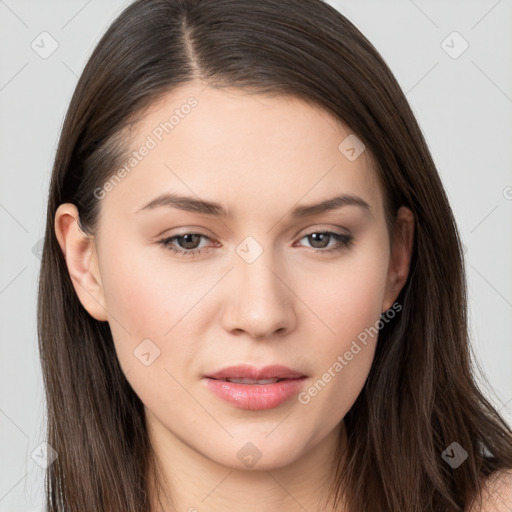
(187, 241)
(188, 244)
(320, 239)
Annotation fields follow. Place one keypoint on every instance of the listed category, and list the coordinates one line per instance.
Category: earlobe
(81, 259)
(400, 258)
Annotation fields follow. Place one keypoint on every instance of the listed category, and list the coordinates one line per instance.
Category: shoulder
(496, 493)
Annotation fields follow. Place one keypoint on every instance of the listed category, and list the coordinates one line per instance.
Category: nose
(257, 298)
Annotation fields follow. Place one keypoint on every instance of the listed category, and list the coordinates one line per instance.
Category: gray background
(463, 103)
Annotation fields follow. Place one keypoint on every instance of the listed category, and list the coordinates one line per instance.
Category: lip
(245, 371)
(255, 396)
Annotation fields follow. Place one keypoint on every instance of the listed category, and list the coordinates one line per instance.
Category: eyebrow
(196, 205)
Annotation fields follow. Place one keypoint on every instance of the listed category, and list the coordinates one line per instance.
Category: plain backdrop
(452, 58)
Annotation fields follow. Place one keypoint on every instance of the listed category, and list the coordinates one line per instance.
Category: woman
(252, 289)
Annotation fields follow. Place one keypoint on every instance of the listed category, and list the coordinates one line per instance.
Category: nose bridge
(259, 302)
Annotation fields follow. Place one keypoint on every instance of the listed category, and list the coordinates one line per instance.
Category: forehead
(244, 150)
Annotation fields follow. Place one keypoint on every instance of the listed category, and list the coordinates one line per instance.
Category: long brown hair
(420, 395)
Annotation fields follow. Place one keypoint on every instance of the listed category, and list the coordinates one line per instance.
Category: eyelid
(189, 230)
(324, 229)
(184, 230)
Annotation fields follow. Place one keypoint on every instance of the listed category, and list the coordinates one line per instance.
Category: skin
(496, 493)
(259, 157)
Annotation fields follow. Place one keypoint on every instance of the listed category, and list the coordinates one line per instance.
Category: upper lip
(245, 371)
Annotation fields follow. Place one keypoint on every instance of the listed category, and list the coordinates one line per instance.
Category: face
(188, 292)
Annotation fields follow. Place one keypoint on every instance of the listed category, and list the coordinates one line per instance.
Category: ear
(79, 251)
(400, 258)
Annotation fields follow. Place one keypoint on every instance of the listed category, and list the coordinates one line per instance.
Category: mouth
(255, 394)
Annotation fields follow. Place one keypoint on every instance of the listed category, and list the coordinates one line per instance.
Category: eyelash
(344, 242)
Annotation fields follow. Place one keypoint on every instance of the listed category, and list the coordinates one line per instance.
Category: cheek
(150, 298)
(145, 306)
(138, 302)
(145, 290)
(348, 299)
(346, 355)
(332, 393)
(344, 296)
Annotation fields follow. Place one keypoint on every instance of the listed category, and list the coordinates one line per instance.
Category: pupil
(316, 237)
(188, 244)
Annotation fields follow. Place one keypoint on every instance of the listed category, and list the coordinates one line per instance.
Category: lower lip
(255, 397)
